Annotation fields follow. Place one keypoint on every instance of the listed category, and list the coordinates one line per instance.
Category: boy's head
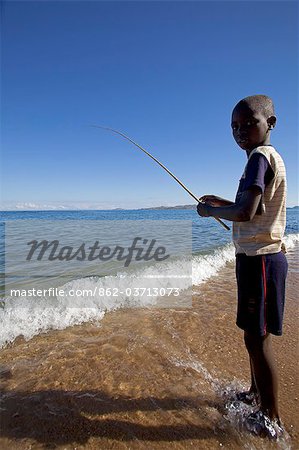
(252, 119)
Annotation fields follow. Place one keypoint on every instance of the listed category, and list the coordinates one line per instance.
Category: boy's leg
(253, 387)
(249, 397)
(264, 372)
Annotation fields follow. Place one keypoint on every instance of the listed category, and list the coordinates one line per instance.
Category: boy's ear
(271, 122)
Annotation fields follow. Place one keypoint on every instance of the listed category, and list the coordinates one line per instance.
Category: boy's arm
(257, 175)
(241, 211)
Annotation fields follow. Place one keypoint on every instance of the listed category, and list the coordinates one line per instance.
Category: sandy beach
(145, 378)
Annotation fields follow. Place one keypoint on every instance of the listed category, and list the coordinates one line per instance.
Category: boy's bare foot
(261, 425)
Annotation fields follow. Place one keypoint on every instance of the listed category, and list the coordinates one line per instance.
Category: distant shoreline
(177, 207)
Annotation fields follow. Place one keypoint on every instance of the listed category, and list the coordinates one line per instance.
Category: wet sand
(145, 378)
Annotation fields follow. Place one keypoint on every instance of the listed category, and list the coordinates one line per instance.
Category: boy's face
(250, 128)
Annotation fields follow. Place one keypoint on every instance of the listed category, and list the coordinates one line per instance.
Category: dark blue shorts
(261, 292)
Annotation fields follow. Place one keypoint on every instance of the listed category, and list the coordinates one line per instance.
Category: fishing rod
(160, 164)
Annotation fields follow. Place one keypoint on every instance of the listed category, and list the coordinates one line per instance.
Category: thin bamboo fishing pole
(160, 164)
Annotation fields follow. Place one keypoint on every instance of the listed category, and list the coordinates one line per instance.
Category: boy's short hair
(258, 103)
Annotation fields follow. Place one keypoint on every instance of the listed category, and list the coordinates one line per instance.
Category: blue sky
(166, 73)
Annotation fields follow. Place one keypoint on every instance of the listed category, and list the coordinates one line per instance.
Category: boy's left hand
(203, 209)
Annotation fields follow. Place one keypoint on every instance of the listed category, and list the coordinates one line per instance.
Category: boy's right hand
(213, 200)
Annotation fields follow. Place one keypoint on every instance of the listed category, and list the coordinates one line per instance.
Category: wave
(22, 316)
(28, 316)
(290, 240)
(206, 266)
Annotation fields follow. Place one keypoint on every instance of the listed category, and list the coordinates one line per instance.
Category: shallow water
(125, 375)
(24, 315)
(145, 378)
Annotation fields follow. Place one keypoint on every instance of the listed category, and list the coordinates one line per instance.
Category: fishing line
(161, 165)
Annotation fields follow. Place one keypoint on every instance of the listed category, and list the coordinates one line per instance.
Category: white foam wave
(290, 240)
(24, 317)
(27, 316)
(206, 266)
(28, 321)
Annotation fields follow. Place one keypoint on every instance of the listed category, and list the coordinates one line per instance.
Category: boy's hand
(203, 209)
(213, 200)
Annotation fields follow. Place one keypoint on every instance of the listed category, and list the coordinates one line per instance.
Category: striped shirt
(264, 233)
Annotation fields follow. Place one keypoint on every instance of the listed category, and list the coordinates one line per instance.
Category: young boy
(259, 217)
